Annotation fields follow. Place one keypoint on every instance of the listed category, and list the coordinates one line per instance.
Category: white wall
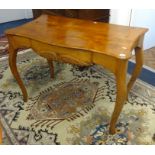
(145, 18)
(7, 15)
(138, 18)
(120, 16)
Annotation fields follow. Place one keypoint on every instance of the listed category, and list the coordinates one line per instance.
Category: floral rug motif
(73, 108)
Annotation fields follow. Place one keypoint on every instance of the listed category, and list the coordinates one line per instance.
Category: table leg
(138, 67)
(121, 93)
(13, 67)
(50, 62)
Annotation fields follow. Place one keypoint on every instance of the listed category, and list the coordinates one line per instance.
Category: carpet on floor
(73, 108)
(3, 46)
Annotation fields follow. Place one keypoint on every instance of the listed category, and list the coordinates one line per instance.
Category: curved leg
(13, 67)
(121, 93)
(138, 67)
(51, 68)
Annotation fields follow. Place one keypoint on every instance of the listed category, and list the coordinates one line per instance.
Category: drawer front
(67, 55)
(77, 57)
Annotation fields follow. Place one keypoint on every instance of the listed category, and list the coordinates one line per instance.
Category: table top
(104, 38)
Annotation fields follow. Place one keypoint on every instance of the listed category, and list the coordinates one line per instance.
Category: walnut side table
(83, 43)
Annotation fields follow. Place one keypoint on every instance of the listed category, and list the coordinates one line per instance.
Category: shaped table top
(114, 40)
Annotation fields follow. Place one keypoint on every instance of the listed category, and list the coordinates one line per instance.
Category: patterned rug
(3, 46)
(73, 108)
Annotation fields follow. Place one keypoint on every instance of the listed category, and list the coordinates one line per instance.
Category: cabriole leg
(13, 67)
(121, 93)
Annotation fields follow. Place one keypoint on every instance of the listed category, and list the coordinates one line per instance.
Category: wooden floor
(149, 58)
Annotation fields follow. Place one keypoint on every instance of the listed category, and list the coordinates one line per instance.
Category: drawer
(63, 54)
